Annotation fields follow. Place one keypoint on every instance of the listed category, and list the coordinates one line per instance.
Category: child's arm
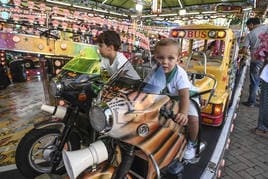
(182, 116)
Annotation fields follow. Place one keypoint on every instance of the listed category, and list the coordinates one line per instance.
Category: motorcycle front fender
(48, 124)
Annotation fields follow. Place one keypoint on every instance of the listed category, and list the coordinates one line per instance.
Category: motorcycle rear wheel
(34, 151)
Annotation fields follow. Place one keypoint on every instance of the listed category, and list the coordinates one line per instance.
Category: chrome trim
(50, 124)
(190, 57)
(107, 120)
(143, 130)
(157, 170)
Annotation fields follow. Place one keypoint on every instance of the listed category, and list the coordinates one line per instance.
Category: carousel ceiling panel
(128, 4)
(203, 2)
(168, 6)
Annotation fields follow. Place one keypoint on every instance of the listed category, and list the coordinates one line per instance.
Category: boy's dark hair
(165, 42)
(254, 21)
(110, 37)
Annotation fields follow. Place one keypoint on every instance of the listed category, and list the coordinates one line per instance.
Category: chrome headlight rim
(101, 119)
(55, 88)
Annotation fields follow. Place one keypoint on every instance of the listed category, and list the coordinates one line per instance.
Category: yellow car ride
(212, 50)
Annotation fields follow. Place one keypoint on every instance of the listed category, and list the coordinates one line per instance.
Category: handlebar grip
(167, 114)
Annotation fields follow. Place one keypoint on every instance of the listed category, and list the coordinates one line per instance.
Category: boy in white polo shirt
(171, 77)
(109, 43)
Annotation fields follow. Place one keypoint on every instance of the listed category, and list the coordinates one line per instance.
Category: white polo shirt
(178, 82)
(118, 62)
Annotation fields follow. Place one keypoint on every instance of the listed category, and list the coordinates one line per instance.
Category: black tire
(25, 151)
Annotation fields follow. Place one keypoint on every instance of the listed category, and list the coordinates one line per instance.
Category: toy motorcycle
(140, 138)
(39, 151)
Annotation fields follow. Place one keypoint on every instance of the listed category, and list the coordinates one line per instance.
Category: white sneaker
(190, 151)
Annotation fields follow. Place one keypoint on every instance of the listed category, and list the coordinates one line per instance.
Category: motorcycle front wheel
(33, 154)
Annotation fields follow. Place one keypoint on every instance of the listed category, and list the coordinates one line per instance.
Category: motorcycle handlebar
(167, 113)
(211, 91)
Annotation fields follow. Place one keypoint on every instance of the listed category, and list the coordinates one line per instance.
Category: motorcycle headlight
(55, 88)
(101, 119)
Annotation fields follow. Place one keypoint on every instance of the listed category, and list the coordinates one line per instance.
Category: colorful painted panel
(26, 43)
(69, 48)
(40, 45)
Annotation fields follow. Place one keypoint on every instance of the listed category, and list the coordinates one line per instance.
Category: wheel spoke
(37, 152)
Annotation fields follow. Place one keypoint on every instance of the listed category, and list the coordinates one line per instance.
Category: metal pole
(45, 81)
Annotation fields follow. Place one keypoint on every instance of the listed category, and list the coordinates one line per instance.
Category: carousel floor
(19, 109)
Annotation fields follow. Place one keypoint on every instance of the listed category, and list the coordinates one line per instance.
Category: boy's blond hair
(166, 42)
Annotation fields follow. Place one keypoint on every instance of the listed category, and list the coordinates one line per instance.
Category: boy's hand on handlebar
(181, 119)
